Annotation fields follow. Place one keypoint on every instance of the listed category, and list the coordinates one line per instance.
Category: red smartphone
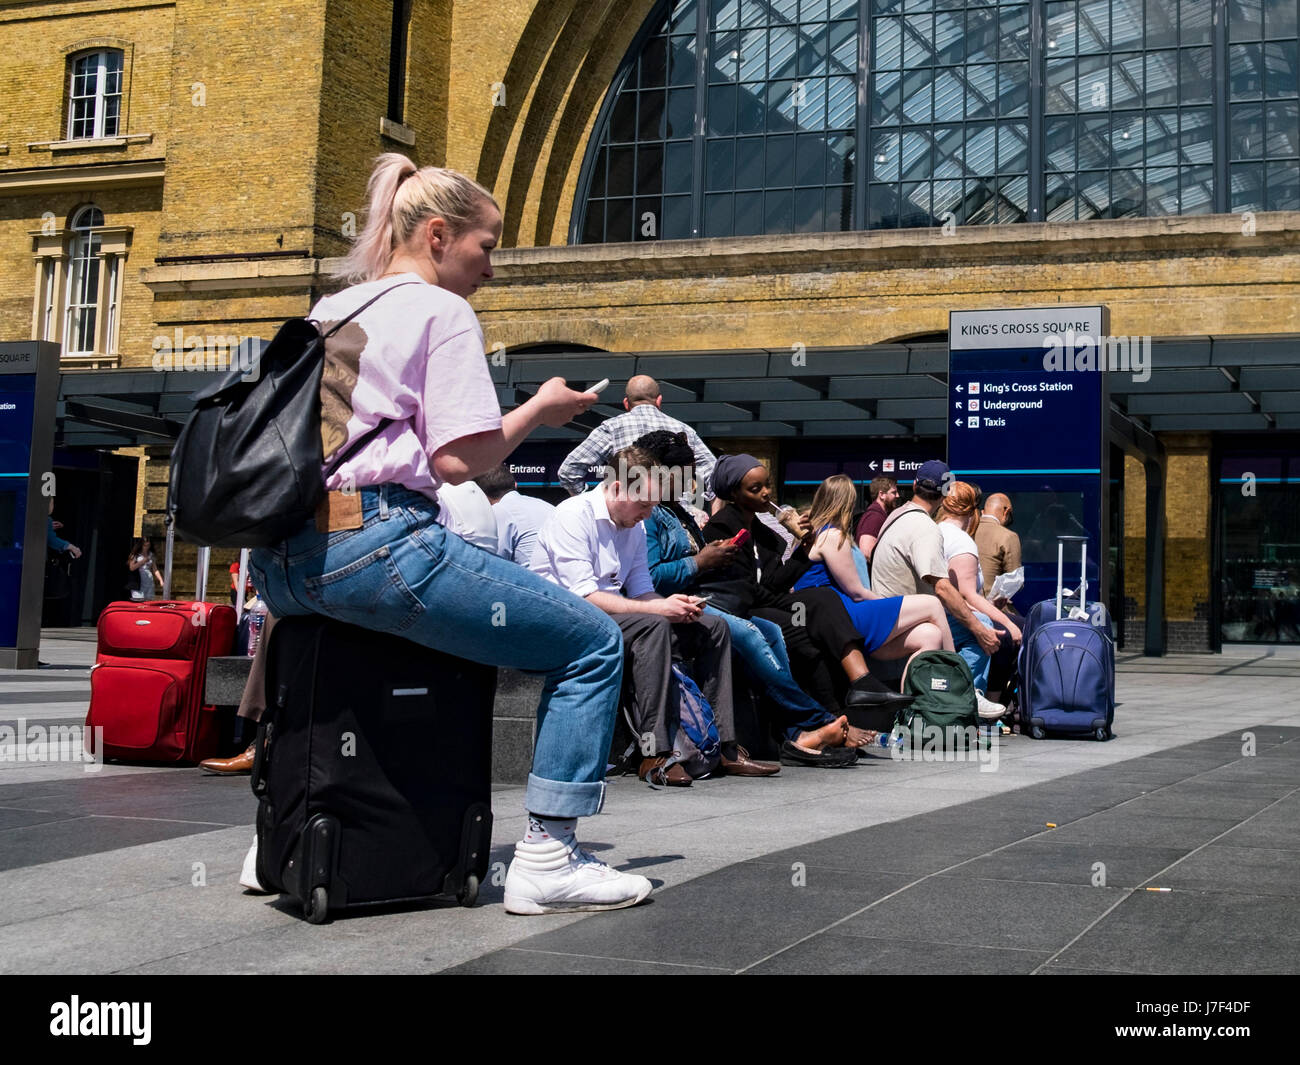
(740, 539)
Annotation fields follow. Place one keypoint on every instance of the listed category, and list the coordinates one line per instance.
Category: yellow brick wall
(241, 167)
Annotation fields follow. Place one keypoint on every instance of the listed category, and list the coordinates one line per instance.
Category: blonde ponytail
(399, 197)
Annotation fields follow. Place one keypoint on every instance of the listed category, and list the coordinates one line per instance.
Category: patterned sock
(545, 829)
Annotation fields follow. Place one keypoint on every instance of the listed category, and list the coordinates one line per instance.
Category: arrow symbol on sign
(957, 404)
(872, 466)
(957, 422)
(961, 388)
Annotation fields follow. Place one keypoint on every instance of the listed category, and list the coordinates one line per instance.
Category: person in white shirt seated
(518, 517)
(594, 545)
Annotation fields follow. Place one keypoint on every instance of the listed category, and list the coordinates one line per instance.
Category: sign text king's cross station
(1025, 421)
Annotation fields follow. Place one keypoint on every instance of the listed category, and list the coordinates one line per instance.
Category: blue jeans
(970, 650)
(403, 573)
(762, 650)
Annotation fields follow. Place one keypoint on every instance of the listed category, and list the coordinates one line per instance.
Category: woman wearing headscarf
(678, 556)
(757, 583)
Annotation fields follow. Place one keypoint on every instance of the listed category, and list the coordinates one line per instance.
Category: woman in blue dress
(891, 628)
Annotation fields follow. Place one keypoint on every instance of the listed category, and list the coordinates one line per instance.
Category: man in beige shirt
(999, 546)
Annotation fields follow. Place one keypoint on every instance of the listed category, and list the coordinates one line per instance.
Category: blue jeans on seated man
(403, 573)
(761, 648)
(970, 650)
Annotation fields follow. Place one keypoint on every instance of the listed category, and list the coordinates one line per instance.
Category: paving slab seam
(606, 957)
(1130, 892)
(168, 820)
(1046, 832)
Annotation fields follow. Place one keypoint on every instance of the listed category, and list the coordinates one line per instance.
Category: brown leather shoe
(228, 767)
(744, 766)
(652, 772)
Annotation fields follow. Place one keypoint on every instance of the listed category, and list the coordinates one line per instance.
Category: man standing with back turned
(642, 401)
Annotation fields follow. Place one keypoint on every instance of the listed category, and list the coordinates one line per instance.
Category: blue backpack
(696, 747)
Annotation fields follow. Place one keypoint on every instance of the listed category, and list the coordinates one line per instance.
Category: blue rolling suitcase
(1067, 660)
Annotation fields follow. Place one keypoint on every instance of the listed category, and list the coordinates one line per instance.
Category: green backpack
(944, 693)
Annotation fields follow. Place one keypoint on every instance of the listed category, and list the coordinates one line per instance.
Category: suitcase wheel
(1038, 732)
(468, 894)
(1102, 733)
(317, 908)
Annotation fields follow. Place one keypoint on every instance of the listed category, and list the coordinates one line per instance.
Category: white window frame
(81, 305)
(107, 63)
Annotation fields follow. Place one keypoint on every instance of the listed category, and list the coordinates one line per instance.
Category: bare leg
(920, 610)
(853, 663)
(924, 637)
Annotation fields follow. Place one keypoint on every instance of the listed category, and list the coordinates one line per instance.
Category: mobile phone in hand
(740, 539)
(599, 386)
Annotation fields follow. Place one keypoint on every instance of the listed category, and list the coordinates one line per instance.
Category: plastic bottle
(886, 739)
(256, 621)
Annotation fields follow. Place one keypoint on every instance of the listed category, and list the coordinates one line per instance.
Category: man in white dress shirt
(594, 545)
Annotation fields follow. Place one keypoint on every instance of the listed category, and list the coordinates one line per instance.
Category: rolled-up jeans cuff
(563, 798)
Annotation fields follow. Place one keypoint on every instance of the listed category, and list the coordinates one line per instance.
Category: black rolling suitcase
(373, 769)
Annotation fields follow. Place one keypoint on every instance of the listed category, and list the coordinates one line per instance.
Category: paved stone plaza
(891, 867)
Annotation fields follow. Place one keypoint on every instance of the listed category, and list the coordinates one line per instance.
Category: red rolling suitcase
(146, 688)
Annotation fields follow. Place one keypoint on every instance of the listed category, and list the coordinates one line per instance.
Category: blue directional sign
(1027, 399)
(29, 379)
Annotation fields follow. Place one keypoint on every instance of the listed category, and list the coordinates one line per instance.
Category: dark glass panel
(1280, 18)
(808, 204)
(679, 163)
(618, 220)
(882, 207)
(598, 174)
(749, 163)
(622, 167)
(1246, 71)
(839, 209)
(681, 61)
(593, 225)
(780, 161)
(840, 158)
(1280, 69)
(1162, 79)
(751, 109)
(622, 126)
(810, 160)
(1013, 32)
(886, 101)
(649, 169)
(1283, 131)
(1245, 20)
(722, 109)
(717, 215)
(650, 121)
(749, 214)
(677, 218)
(1198, 190)
(654, 63)
(719, 170)
(681, 113)
(1060, 86)
(778, 214)
(813, 48)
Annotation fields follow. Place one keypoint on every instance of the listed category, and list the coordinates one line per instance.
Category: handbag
(246, 470)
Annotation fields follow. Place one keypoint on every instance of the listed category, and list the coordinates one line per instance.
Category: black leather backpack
(247, 468)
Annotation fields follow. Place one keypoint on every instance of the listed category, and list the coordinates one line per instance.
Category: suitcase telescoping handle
(1061, 541)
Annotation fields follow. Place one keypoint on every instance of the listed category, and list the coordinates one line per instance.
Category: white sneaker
(554, 877)
(988, 710)
(248, 875)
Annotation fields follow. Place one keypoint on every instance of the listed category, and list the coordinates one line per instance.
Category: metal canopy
(1191, 384)
(1204, 384)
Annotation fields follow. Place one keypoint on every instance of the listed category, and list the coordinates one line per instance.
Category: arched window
(95, 95)
(83, 282)
(736, 117)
